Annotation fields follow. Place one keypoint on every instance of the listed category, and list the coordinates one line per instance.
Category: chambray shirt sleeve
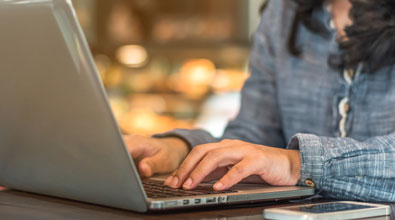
(258, 120)
(344, 168)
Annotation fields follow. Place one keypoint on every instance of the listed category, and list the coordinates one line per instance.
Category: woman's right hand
(156, 155)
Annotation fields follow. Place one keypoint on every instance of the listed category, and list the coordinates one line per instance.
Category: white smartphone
(329, 210)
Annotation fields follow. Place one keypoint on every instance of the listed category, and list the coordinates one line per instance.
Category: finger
(236, 174)
(139, 146)
(216, 158)
(170, 178)
(189, 163)
(134, 149)
(158, 163)
(215, 175)
(192, 160)
(135, 145)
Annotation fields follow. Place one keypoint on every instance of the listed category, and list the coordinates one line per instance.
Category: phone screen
(328, 207)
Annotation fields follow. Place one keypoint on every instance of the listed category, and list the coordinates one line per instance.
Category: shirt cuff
(191, 137)
(312, 158)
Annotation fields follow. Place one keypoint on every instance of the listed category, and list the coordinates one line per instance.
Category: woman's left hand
(275, 166)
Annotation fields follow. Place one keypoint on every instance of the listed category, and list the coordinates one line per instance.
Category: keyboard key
(156, 189)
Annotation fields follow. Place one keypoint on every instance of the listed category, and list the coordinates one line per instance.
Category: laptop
(58, 135)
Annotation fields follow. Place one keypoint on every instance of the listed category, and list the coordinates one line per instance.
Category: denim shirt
(295, 103)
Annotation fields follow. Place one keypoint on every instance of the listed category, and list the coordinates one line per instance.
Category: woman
(317, 110)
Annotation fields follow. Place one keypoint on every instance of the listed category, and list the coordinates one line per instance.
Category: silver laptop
(58, 135)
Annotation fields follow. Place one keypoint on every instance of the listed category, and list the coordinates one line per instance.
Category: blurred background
(171, 63)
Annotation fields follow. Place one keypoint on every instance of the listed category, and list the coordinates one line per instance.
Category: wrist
(295, 165)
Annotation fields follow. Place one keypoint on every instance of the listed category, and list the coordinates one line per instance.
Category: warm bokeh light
(228, 80)
(170, 64)
(147, 122)
(132, 55)
(198, 72)
(194, 78)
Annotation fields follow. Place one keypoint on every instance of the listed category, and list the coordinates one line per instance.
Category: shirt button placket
(343, 110)
(344, 105)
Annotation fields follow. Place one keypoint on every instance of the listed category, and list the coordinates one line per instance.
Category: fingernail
(218, 185)
(187, 183)
(174, 181)
(168, 180)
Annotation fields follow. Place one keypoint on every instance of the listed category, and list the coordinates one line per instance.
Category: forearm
(344, 168)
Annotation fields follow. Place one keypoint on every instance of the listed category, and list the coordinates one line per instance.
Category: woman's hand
(156, 156)
(275, 166)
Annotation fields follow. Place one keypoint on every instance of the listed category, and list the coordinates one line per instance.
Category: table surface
(21, 205)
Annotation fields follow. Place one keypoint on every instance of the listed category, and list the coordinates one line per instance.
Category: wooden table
(21, 205)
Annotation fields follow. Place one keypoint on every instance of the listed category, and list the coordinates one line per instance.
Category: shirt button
(346, 107)
(351, 73)
(309, 182)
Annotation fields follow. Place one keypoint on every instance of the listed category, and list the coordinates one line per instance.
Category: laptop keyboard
(156, 189)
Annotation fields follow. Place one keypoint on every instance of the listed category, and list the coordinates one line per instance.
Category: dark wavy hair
(370, 39)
